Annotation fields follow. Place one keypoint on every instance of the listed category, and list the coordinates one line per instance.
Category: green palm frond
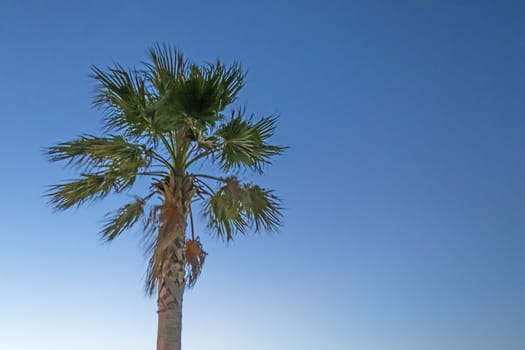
(123, 219)
(91, 151)
(200, 94)
(245, 143)
(124, 95)
(197, 97)
(225, 216)
(166, 65)
(236, 208)
(262, 208)
(88, 187)
(186, 93)
(110, 164)
(226, 81)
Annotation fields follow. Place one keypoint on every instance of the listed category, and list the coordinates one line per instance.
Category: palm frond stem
(199, 156)
(161, 159)
(168, 147)
(152, 173)
(191, 223)
(212, 191)
(218, 179)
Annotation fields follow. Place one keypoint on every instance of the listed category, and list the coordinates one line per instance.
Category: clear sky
(404, 183)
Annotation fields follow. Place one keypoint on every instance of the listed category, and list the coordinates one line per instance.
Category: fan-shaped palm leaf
(245, 143)
(236, 208)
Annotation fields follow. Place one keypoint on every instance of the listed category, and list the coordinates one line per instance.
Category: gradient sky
(404, 183)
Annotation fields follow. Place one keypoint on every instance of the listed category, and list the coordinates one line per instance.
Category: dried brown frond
(195, 257)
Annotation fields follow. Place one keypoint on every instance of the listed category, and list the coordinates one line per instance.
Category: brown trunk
(171, 290)
(171, 252)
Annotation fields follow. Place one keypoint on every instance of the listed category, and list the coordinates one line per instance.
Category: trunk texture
(171, 255)
(169, 302)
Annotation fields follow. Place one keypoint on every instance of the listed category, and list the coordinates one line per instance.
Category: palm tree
(164, 121)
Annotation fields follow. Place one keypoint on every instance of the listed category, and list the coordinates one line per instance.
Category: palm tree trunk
(172, 255)
(169, 302)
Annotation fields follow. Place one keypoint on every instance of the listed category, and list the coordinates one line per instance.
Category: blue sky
(404, 182)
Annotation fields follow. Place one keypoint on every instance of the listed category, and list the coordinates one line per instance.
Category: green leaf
(91, 151)
(123, 219)
(262, 208)
(97, 155)
(166, 65)
(123, 94)
(245, 144)
(237, 208)
(188, 94)
(88, 187)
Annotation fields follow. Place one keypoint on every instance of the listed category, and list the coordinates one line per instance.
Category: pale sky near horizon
(404, 182)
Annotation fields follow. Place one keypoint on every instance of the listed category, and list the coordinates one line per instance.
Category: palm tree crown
(162, 122)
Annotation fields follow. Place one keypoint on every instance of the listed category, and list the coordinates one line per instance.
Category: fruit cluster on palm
(164, 121)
